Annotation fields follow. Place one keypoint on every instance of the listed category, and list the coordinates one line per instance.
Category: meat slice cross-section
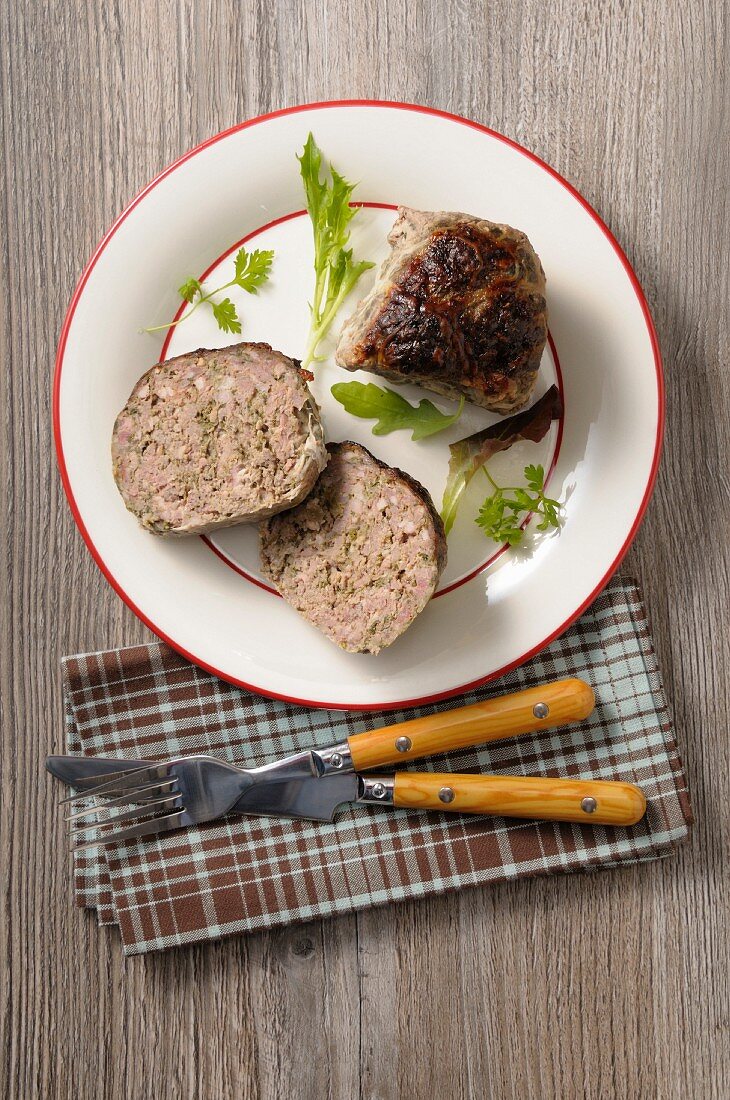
(458, 307)
(217, 437)
(362, 556)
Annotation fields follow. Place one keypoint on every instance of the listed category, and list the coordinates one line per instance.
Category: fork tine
(145, 828)
(154, 806)
(121, 782)
(144, 795)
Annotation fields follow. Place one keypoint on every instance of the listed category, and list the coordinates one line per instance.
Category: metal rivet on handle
(378, 790)
(541, 710)
(403, 744)
(336, 760)
(446, 794)
(589, 805)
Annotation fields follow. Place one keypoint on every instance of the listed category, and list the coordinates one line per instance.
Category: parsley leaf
(502, 517)
(189, 289)
(226, 316)
(251, 270)
(470, 454)
(335, 271)
(391, 410)
(535, 478)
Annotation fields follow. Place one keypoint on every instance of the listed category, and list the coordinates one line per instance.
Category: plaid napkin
(251, 873)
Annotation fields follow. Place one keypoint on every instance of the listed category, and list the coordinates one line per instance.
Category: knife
(533, 709)
(314, 783)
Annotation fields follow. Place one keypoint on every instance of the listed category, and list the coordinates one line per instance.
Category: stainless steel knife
(312, 784)
(537, 708)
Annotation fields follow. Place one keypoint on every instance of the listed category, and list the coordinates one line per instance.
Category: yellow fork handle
(583, 801)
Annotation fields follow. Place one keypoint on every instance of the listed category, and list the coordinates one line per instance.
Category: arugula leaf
(391, 410)
(251, 270)
(336, 273)
(470, 454)
(502, 518)
(226, 316)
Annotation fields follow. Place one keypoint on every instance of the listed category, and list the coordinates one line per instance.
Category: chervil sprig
(468, 456)
(502, 514)
(251, 270)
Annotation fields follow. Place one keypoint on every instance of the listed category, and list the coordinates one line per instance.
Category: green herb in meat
(392, 412)
(251, 270)
(336, 273)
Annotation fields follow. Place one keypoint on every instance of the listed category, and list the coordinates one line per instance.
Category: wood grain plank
(613, 984)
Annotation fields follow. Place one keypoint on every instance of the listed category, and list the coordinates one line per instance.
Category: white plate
(494, 610)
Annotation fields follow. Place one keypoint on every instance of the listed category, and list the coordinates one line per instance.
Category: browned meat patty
(458, 307)
(362, 556)
(217, 437)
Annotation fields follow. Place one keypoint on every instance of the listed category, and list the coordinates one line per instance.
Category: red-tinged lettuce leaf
(470, 454)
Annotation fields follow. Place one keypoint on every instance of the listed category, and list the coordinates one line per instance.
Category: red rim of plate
(391, 105)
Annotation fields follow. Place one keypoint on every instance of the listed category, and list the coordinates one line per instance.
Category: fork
(166, 795)
(193, 790)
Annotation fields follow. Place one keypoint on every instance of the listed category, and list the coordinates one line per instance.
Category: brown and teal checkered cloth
(250, 873)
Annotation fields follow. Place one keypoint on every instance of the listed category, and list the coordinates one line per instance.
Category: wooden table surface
(610, 985)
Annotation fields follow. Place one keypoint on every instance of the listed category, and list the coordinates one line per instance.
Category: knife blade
(76, 770)
(313, 797)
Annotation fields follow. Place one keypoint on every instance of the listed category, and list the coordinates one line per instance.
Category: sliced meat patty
(458, 306)
(217, 437)
(362, 556)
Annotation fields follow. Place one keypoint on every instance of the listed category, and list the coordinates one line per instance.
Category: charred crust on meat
(459, 307)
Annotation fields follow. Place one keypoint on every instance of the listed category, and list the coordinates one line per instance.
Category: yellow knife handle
(584, 801)
(536, 708)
